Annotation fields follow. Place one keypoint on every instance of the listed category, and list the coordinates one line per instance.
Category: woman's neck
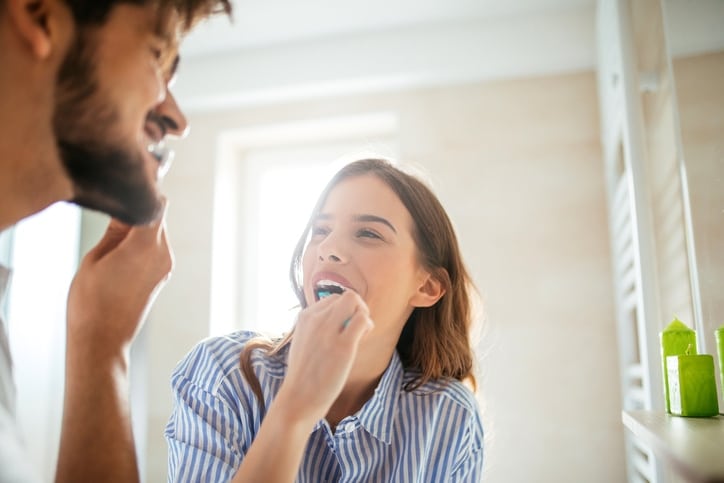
(363, 379)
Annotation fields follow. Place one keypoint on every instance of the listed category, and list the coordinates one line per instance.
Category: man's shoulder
(14, 464)
(7, 387)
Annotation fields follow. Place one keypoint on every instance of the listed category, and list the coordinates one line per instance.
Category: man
(84, 110)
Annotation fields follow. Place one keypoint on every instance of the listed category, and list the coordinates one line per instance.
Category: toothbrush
(324, 293)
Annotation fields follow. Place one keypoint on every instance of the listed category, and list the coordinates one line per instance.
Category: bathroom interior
(577, 145)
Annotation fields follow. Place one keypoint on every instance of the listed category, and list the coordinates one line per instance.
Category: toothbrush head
(326, 288)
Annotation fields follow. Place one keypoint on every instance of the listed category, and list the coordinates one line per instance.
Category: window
(267, 182)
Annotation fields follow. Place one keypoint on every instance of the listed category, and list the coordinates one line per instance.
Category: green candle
(675, 339)
(720, 350)
(692, 387)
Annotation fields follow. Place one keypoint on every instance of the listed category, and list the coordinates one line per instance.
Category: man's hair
(95, 12)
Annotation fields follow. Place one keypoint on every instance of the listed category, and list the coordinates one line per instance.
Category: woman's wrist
(293, 410)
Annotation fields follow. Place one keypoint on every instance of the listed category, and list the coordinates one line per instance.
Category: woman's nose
(331, 250)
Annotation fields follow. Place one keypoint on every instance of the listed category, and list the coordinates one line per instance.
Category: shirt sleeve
(14, 461)
(469, 468)
(203, 436)
(207, 432)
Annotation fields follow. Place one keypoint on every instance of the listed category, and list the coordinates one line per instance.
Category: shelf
(693, 446)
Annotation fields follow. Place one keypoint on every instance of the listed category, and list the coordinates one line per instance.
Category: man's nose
(173, 119)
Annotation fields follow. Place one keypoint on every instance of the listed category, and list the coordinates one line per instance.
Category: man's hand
(108, 301)
(116, 283)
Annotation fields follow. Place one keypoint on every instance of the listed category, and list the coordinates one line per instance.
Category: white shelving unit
(652, 250)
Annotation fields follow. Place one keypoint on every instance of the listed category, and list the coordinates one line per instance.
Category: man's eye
(157, 53)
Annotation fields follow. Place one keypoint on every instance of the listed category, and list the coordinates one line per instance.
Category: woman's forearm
(277, 450)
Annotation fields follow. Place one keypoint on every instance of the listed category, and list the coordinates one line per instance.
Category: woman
(369, 386)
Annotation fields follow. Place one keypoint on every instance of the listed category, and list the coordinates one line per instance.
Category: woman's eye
(319, 231)
(364, 233)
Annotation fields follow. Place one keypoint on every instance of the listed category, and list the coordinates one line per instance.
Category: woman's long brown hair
(435, 341)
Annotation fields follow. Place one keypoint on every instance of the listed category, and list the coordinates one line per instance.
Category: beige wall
(700, 92)
(518, 166)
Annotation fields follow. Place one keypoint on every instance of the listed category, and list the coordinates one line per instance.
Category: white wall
(518, 166)
(700, 94)
(516, 163)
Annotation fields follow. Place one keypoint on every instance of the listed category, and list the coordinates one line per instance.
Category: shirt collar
(5, 274)
(4, 278)
(378, 414)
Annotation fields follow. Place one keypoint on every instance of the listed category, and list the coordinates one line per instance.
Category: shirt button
(349, 427)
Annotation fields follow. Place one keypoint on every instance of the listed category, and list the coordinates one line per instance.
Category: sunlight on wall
(287, 196)
(223, 286)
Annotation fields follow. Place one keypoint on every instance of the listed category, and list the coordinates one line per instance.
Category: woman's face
(362, 241)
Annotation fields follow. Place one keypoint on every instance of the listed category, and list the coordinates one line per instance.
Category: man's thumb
(114, 235)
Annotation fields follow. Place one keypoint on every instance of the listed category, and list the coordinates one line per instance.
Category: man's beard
(107, 175)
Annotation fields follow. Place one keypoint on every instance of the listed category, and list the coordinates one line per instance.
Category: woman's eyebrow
(360, 218)
(374, 219)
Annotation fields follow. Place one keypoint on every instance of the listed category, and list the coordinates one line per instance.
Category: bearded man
(85, 108)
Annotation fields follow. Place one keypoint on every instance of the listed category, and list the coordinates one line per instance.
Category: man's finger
(116, 232)
(156, 229)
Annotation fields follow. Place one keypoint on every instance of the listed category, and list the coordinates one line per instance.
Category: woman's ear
(35, 22)
(428, 292)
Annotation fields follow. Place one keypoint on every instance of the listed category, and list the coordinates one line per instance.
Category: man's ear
(428, 292)
(35, 22)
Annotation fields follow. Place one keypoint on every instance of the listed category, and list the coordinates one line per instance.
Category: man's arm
(108, 301)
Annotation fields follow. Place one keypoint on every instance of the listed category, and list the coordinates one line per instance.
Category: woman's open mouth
(325, 288)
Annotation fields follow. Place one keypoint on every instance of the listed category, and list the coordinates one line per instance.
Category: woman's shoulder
(447, 390)
(213, 359)
(456, 400)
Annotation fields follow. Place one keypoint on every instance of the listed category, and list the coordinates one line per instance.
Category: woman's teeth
(325, 288)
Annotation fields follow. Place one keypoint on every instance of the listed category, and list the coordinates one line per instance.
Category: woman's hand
(326, 337)
(322, 351)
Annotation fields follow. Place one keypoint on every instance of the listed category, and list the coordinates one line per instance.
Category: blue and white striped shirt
(431, 434)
